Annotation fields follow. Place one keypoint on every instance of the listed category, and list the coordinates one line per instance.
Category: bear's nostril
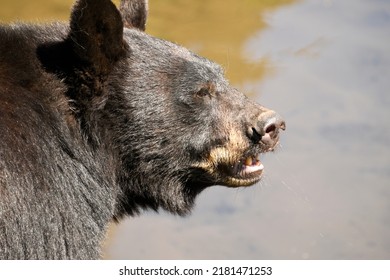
(270, 136)
(273, 126)
(270, 128)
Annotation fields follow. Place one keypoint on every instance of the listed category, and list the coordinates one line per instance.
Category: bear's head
(174, 123)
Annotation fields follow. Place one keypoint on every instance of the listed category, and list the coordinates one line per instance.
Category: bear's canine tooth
(249, 161)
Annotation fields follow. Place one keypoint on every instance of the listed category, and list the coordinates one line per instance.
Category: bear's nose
(266, 128)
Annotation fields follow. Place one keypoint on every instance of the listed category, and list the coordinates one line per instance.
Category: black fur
(98, 121)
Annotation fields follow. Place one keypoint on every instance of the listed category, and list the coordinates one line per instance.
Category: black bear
(99, 120)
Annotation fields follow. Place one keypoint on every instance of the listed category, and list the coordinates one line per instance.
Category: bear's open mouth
(248, 167)
(245, 172)
(232, 168)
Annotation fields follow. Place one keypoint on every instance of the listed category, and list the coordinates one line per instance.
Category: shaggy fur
(98, 121)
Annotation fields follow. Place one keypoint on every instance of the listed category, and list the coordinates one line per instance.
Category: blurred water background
(322, 64)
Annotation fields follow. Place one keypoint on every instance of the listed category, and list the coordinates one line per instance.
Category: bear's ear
(134, 13)
(96, 34)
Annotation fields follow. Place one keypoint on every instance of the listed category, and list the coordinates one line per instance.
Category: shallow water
(324, 65)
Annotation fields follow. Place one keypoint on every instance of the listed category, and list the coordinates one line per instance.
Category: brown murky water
(324, 65)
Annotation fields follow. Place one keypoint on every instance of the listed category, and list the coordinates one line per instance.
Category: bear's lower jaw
(233, 182)
(245, 180)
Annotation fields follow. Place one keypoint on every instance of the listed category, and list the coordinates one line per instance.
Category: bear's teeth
(252, 164)
(251, 161)
(248, 161)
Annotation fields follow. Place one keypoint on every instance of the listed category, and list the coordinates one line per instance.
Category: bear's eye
(203, 92)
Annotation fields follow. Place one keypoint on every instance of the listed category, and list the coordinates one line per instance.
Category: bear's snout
(265, 128)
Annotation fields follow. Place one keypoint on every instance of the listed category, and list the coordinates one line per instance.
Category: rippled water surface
(324, 65)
